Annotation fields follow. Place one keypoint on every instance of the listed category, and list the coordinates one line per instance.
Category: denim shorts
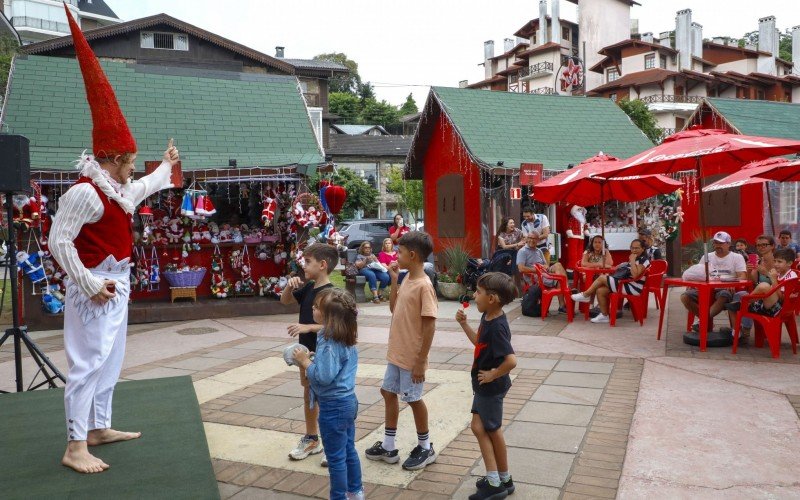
(398, 381)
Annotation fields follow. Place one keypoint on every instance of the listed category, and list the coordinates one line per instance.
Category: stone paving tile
(196, 363)
(556, 413)
(591, 380)
(550, 437)
(584, 367)
(260, 344)
(159, 372)
(251, 493)
(291, 389)
(232, 353)
(570, 395)
(269, 406)
(535, 363)
(539, 467)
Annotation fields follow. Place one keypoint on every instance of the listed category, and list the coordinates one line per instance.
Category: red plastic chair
(541, 273)
(656, 272)
(637, 302)
(771, 328)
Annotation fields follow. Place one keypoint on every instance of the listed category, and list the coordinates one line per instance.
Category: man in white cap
(720, 262)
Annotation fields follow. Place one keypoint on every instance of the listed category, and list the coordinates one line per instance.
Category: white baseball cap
(722, 237)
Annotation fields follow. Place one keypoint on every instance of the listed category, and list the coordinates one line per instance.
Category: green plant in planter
(453, 259)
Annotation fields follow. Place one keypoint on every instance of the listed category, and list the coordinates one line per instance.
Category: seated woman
(509, 240)
(634, 269)
(594, 256)
(388, 254)
(375, 272)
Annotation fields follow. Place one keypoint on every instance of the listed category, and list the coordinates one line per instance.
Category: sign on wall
(515, 193)
(530, 174)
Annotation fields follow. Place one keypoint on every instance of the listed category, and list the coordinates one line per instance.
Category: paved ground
(593, 412)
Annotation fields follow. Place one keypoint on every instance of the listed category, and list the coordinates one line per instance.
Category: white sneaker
(305, 447)
(580, 297)
(355, 496)
(600, 318)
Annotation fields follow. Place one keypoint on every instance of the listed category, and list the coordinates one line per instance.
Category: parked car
(372, 230)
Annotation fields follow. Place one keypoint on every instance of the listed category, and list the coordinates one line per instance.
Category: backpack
(532, 302)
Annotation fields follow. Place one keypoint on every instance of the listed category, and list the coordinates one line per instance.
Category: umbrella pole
(603, 222)
(769, 204)
(702, 214)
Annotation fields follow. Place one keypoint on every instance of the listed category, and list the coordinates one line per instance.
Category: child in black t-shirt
(494, 359)
(320, 261)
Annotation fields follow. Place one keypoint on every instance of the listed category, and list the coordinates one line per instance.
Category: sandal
(376, 300)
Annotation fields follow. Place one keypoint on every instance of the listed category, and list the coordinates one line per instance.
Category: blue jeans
(373, 277)
(337, 425)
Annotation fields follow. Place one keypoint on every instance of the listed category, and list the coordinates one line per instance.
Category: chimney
(683, 38)
(664, 39)
(647, 37)
(508, 44)
(522, 40)
(488, 53)
(542, 22)
(634, 27)
(767, 42)
(463, 84)
(720, 40)
(796, 49)
(697, 40)
(555, 22)
(279, 51)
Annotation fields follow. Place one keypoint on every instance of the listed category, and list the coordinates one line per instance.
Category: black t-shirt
(494, 344)
(305, 297)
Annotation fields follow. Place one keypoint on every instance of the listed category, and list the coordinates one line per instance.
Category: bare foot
(78, 458)
(105, 436)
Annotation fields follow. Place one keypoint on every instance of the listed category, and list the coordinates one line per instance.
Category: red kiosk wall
(445, 155)
(751, 217)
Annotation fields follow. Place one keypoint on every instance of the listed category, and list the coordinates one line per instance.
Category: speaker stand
(18, 332)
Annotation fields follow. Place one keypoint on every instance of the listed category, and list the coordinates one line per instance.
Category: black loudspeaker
(15, 164)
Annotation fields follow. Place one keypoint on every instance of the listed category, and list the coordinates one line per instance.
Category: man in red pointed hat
(91, 238)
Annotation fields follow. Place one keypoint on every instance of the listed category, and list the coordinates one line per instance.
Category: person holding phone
(91, 239)
(398, 229)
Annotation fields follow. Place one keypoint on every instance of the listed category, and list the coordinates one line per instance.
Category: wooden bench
(355, 285)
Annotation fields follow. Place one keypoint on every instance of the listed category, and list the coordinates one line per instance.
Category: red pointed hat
(110, 133)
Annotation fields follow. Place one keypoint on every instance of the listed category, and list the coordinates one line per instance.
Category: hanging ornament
(208, 206)
(335, 197)
(200, 206)
(187, 207)
(322, 199)
(268, 213)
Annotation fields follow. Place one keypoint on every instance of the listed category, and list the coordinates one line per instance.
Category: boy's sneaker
(419, 458)
(378, 452)
(355, 496)
(600, 318)
(483, 482)
(489, 492)
(562, 310)
(305, 447)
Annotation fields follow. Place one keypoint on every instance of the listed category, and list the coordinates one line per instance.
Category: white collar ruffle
(102, 179)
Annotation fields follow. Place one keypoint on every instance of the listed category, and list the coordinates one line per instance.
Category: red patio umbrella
(706, 151)
(583, 185)
(759, 172)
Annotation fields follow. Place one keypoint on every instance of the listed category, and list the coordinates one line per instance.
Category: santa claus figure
(91, 239)
(576, 230)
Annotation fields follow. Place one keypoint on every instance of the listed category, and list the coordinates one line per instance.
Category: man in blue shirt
(785, 241)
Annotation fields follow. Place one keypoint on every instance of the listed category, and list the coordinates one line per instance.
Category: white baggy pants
(94, 341)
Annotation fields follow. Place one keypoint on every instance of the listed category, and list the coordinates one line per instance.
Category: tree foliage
(346, 83)
(8, 47)
(642, 117)
(360, 195)
(784, 43)
(410, 192)
(381, 112)
(346, 105)
(409, 107)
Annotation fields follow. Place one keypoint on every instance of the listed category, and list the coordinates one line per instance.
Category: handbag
(350, 270)
(623, 272)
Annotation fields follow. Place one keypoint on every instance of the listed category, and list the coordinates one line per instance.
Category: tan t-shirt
(415, 299)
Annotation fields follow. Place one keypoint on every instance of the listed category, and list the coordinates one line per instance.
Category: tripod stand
(18, 332)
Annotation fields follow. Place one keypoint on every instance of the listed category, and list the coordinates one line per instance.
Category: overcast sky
(405, 46)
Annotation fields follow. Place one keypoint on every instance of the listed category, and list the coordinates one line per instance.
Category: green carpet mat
(170, 460)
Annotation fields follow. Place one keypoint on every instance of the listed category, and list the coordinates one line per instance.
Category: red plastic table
(578, 280)
(704, 289)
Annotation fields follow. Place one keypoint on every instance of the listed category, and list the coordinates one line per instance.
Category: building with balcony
(673, 73)
(38, 20)
(162, 40)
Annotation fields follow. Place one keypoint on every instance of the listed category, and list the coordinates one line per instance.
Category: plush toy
(185, 249)
(213, 229)
(155, 274)
(219, 286)
(159, 238)
(51, 304)
(225, 235)
(236, 259)
(278, 288)
(236, 235)
(312, 217)
(280, 254)
(31, 265)
(262, 252)
(263, 286)
(205, 235)
(174, 231)
(3, 250)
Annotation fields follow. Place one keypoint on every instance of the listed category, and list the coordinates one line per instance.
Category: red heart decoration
(335, 196)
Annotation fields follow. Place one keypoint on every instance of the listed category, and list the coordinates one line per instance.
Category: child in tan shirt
(414, 306)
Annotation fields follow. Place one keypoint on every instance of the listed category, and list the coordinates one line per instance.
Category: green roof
(763, 118)
(214, 116)
(520, 128)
